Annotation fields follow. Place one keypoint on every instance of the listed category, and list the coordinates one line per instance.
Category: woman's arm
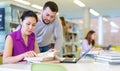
(85, 45)
(7, 55)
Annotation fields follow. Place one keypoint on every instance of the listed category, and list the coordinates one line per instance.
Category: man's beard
(45, 22)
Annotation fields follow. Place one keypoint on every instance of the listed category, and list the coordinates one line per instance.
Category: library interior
(57, 35)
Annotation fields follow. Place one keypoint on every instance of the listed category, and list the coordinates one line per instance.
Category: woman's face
(93, 36)
(28, 25)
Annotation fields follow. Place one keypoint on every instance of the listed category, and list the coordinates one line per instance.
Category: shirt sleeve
(85, 45)
(58, 32)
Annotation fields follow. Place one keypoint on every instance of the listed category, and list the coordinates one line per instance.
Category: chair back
(47, 67)
(0, 59)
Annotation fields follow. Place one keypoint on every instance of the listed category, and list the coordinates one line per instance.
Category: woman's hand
(30, 54)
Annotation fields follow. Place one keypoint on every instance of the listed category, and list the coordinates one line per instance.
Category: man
(49, 25)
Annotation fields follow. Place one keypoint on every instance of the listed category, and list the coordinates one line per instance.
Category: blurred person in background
(89, 41)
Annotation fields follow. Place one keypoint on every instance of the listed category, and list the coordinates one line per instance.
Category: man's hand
(53, 50)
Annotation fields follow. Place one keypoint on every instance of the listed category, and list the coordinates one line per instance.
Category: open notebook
(75, 60)
(45, 56)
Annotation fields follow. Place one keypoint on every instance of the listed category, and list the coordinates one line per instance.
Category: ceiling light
(94, 12)
(105, 19)
(114, 30)
(114, 25)
(23, 2)
(79, 3)
(37, 6)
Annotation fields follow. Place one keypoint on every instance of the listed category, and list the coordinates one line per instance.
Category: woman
(89, 41)
(22, 43)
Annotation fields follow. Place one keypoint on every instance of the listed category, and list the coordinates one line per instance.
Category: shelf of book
(71, 39)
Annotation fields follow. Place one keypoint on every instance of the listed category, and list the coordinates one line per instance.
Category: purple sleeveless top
(19, 46)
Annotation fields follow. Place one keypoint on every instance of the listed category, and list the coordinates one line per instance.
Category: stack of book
(111, 58)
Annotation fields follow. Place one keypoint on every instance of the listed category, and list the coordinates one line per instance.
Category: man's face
(48, 16)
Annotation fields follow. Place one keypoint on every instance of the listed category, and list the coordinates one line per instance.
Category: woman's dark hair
(52, 5)
(89, 37)
(29, 14)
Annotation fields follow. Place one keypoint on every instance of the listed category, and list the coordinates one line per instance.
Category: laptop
(74, 60)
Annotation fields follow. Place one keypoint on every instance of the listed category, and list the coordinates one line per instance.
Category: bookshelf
(71, 39)
(13, 11)
(12, 14)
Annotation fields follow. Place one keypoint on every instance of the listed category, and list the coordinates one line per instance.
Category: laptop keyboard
(70, 59)
(86, 61)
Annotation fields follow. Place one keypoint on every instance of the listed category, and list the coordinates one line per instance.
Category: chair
(47, 67)
(0, 59)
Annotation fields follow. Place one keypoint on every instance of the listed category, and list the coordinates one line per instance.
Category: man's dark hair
(29, 14)
(52, 5)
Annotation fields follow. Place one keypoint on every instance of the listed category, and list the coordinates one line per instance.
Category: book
(45, 56)
(109, 57)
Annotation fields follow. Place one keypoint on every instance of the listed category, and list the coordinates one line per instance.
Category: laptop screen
(75, 60)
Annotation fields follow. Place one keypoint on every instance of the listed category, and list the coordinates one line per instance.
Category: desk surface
(69, 66)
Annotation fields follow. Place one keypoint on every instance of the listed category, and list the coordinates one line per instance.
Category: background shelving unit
(13, 11)
(71, 40)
